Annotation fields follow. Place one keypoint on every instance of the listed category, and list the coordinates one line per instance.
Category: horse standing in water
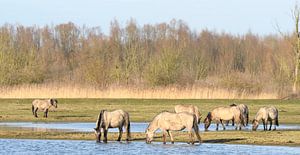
(168, 122)
(245, 111)
(190, 109)
(266, 114)
(114, 119)
(44, 105)
(224, 114)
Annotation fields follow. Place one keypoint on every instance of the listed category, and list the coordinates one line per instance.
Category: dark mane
(232, 105)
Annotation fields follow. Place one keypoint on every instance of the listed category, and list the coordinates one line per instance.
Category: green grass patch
(140, 110)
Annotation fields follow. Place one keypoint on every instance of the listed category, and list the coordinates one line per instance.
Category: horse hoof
(164, 143)
(172, 142)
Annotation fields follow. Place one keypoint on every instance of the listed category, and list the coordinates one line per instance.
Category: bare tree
(296, 43)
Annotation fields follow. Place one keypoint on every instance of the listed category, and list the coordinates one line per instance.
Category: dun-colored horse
(43, 105)
(190, 109)
(168, 122)
(114, 119)
(266, 114)
(224, 114)
(245, 111)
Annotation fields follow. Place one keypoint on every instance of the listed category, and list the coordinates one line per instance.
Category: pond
(28, 146)
(135, 126)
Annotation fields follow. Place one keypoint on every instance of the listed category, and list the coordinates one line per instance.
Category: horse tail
(247, 119)
(32, 109)
(196, 128)
(127, 123)
(100, 117)
(241, 117)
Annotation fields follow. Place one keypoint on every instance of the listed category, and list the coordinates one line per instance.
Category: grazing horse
(266, 114)
(114, 119)
(43, 105)
(224, 114)
(168, 122)
(245, 111)
(190, 109)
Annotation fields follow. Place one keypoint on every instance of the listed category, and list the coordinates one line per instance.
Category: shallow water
(135, 127)
(27, 146)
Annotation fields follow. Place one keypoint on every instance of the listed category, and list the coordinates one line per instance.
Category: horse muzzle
(148, 141)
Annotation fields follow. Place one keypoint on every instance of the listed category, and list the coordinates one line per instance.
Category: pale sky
(233, 16)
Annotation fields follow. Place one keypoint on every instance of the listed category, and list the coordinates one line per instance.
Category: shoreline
(271, 138)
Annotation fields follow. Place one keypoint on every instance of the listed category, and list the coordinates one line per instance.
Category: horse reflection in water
(114, 119)
(168, 122)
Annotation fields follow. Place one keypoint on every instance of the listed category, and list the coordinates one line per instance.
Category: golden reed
(76, 91)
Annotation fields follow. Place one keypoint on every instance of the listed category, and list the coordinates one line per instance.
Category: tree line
(149, 55)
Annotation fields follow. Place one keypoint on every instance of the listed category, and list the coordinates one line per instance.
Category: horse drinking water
(224, 114)
(114, 119)
(168, 122)
(266, 114)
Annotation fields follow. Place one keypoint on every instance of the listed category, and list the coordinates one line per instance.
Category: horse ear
(51, 101)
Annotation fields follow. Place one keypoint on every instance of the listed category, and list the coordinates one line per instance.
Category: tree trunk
(296, 78)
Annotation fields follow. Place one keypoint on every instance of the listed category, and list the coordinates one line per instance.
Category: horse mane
(208, 115)
(100, 119)
(233, 104)
(154, 118)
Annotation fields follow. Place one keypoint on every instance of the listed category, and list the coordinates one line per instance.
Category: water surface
(135, 126)
(27, 146)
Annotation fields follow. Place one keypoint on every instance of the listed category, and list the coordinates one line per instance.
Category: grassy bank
(140, 110)
(287, 138)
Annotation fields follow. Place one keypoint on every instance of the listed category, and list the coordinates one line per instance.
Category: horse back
(115, 118)
(176, 121)
(224, 113)
(190, 109)
(40, 103)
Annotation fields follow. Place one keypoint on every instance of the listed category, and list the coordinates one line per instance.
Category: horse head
(254, 124)
(53, 102)
(149, 135)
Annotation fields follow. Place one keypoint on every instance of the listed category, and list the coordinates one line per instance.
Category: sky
(232, 16)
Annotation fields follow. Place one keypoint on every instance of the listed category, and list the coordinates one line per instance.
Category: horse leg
(105, 135)
(247, 119)
(191, 137)
(226, 122)
(223, 125)
(120, 133)
(171, 136)
(164, 137)
(218, 121)
(46, 113)
(233, 122)
(270, 125)
(266, 124)
(35, 112)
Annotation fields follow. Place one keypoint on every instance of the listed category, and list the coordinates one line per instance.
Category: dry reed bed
(76, 91)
